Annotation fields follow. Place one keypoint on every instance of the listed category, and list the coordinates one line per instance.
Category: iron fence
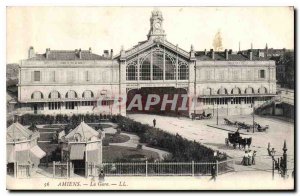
(167, 168)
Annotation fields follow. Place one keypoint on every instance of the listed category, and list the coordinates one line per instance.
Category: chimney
(31, 52)
(111, 53)
(47, 53)
(80, 53)
(250, 55)
(212, 54)
(90, 50)
(106, 53)
(226, 54)
(261, 53)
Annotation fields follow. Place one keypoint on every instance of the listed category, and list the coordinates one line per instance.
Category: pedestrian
(213, 173)
(245, 158)
(154, 122)
(253, 157)
(101, 175)
(250, 155)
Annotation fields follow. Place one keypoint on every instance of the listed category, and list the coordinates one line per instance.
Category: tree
(217, 43)
(289, 61)
(33, 127)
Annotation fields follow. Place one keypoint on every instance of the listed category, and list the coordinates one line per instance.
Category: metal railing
(167, 169)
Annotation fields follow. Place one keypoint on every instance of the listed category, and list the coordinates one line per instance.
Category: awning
(37, 151)
(10, 154)
(22, 157)
(93, 156)
(77, 151)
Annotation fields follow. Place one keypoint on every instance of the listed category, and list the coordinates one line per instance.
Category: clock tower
(156, 29)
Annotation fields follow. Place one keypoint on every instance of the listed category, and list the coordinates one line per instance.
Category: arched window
(207, 91)
(158, 65)
(131, 71)
(222, 91)
(37, 95)
(170, 68)
(249, 90)
(71, 94)
(161, 62)
(262, 90)
(183, 71)
(54, 95)
(236, 91)
(87, 94)
(145, 68)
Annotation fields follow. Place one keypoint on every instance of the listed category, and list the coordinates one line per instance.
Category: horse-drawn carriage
(260, 128)
(243, 125)
(235, 139)
(201, 116)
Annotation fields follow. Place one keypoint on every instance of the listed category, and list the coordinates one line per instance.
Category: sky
(101, 28)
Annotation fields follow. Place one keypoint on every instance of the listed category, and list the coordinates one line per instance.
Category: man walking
(154, 122)
(213, 173)
(101, 175)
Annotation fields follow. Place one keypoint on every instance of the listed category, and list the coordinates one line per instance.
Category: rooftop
(84, 131)
(16, 132)
(68, 55)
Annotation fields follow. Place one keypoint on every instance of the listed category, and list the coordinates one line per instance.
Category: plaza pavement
(133, 142)
(214, 138)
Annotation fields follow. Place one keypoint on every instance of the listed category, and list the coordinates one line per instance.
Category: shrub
(181, 148)
(118, 131)
(139, 146)
(105, 142)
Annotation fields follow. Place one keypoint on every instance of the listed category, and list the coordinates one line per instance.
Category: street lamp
(273, 161)
(218, 112)
(253, 122)
(281, 164)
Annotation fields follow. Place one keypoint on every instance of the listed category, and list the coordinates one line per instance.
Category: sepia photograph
(150, 98)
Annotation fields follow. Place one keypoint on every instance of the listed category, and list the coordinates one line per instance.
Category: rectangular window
(52, 76)
(221, 75)
(235, 75)
(87, 76)
(208, 74)
(249, 75)
(37, 76)
(70, 76)
(262, 74)
(54, 105)
(71, 105)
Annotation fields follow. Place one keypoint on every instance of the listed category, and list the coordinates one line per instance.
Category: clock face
(157, 25)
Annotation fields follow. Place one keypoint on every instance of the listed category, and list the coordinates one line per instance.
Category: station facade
(72, 82)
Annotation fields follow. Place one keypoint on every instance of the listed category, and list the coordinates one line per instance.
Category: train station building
(73, 81)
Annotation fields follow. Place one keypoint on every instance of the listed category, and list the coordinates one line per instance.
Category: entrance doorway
(10, 169)
(79, 167)
(168, 93)
(35, 108)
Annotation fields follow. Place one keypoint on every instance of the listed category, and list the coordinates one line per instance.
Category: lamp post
(273, 162)
(253, 122)
(281, 164)
(284, 165)
(217, 114)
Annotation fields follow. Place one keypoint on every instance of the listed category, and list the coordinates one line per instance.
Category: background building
(70, 82)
